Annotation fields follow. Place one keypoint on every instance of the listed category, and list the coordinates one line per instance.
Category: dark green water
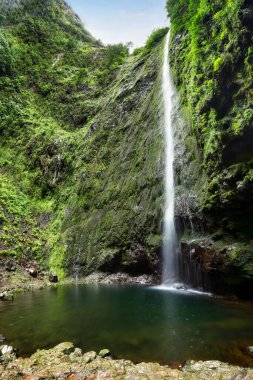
(135, 322)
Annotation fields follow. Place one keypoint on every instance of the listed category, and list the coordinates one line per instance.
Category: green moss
(20, 235)
(218, 64)
(154, 39)
(80, 138)
(211, 52)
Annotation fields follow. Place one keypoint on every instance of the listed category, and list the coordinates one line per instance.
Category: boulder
(33, 272)
(89, 357)
(11, 266)
(65, 348)
(7, 350)
(77, 354)
(53, 277)
(7, 354)
(104, 353)
(6, 296)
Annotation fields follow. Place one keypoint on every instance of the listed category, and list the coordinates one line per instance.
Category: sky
(114, 21)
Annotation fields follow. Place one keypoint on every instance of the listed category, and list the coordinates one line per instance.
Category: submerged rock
(2, 338)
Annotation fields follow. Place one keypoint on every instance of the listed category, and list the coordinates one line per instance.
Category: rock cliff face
(115, 221)
(211, 58)
(82, 144)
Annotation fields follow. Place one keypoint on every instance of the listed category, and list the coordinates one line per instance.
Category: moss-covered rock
(211, 51)
(210, 59)
(81, 147)
(118, 205)
(66, 361)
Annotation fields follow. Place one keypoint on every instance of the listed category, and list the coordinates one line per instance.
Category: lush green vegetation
(81, 164)
(50, 83)
(211, 59)
(72, 154)
(154, 39)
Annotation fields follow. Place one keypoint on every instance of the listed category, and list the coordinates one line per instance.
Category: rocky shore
(18, 277)
(21, 277)
(120, 278)
(65, 362)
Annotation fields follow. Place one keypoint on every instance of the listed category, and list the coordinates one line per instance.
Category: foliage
(65, 121)
(19, 232)
(6, 54)
(210, 50)
(154, 39)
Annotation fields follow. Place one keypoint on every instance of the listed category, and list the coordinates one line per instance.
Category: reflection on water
(134, 322)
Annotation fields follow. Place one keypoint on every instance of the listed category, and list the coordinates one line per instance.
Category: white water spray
(170, 259)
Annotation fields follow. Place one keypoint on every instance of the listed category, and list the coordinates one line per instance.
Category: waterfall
(170, 259)
(179, 271)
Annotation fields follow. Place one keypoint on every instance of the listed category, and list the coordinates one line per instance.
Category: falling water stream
(170, 261)
(178, 273)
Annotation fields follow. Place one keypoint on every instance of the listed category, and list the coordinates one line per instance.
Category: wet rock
(57, 363)
(6, 296)
(181, 287)
(77, 354)
(65, 348)
(104, 353)
(219, 269)
(89, 357)
(192, 366)
(7, 349)
(43, 274)
(7, 264)
(214, 369)
(53, 277)
(7, 354)
(11, 266)
(120, 278)
(33, 272)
